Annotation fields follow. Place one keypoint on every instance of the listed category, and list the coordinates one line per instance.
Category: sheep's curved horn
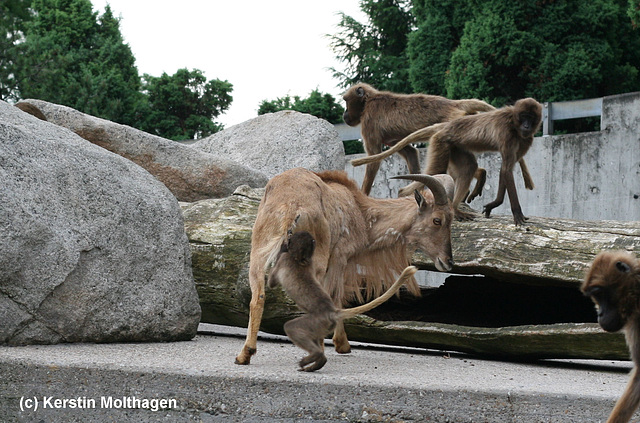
(439, 193)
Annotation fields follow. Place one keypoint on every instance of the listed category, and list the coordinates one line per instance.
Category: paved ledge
(102, 382)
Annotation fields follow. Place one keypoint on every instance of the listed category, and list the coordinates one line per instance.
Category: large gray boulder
(92, 247)
(275, 142)
(190, 174)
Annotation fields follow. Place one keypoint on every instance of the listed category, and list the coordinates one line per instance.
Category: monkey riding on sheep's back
(386, 118)
(294, 272)
(613, 283)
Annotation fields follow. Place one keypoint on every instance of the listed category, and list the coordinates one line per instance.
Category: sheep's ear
(422, 203)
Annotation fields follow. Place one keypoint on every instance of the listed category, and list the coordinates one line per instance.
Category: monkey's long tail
(421, 135)
(406, 274)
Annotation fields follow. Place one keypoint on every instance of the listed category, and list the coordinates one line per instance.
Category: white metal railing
(561, 110)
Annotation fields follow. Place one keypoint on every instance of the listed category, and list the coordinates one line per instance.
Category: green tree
(501, 51)
(375, 52)
(440, 27)
(320, 105)
(281, 103)
(183, 106)
(317, 104)
(634, 12)
(74, 57)
(13, 16)
(495, 54)
(593, 51)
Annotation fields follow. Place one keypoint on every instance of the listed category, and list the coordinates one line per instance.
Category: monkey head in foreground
(613, 283)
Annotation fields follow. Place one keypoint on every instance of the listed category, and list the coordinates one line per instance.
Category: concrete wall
(587, 176)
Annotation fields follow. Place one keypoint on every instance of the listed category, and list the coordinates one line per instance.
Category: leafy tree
(13, 16)
(592, 52)
(495, 54)
(440, 27)
(495, 50)
(74, 57)
(375, 52)
(317, 104)
(281, 103)
(634, 12)
(63, 52)
(501, 51)
(183, 105)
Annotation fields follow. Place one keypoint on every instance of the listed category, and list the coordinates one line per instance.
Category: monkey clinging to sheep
(293, 271)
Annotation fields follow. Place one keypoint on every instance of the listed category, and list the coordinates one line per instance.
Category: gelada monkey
(387, 117)
(508, 130)
(293, 271)
(613, 283)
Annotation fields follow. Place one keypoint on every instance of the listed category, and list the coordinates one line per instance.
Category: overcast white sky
(266, 49)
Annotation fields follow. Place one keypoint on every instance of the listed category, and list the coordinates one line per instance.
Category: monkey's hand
(473, 195)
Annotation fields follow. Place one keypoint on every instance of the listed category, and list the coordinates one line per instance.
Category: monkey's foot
(520, 219)
(312, 362)
(481, 179)
(244, 357)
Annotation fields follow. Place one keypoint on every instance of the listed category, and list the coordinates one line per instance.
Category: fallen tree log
(546, 252)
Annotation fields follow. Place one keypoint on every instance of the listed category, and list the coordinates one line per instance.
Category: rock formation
(92, 247)
(275, 142)
(189, 174)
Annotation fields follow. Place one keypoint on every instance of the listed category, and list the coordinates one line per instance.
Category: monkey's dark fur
(293, 270)
(613, 283)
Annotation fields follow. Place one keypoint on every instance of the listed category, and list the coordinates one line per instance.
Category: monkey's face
(355, 100)
(613, 283)
(529, 116)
